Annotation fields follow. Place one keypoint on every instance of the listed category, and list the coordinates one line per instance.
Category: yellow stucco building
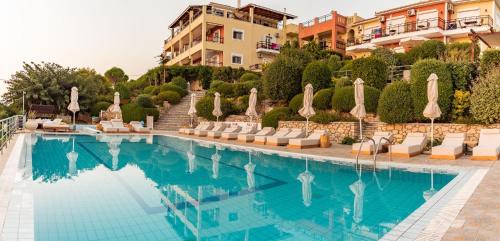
(221, 35)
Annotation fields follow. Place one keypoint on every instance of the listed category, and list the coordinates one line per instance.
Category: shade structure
(115, 107)
(358, 189)
(307, 110)
(359, 110)
(192, 109)
(432, 110)
(252, 103)
(73, 104)
(217, 112)
(72, 158)
(412, 41)
(250, 168)
(215, 164)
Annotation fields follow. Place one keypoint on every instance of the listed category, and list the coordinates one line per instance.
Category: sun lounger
(368, 148)
(56, 125)
(118, 124)
(202, 126)
(249, 128)
(139, 128)
(282, 141)
(413, 145)
(451, 148)
(219, 126)
(308, 142)
(280, 133)
(488, 147)
(266, 131)
(231, 129)
(108, 127)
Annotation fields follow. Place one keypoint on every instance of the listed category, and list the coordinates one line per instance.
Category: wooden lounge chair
(488, 147)
(308, 142)
(283, 141)
(107, 127)
(219, 126)
(235, 128)
(413, 145)
(280, 133)
(266, 131)
(451, 148)
(137, 126)
(201, 126)
(249, 128)
(118, 124)
(56, 125)
(368, 148)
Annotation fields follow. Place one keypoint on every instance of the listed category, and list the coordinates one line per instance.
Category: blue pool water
(165, 188)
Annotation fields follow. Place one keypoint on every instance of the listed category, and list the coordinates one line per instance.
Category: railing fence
(395, 73)
(8, 128)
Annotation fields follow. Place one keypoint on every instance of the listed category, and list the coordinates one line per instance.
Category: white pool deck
(448, 215)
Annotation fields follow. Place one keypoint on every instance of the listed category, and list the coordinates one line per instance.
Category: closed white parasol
(73, 104)
(192, 109)
(252, 103)
(359, 110)
(307, 110)
(432, 110)
(217, 112)
(115, 107)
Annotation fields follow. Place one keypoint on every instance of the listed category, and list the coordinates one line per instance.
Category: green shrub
(371, 70)
(205, 76)
(386, 55)
(485, 98)
(343, 99)
(172, 97)
(249, 77)
(342, 82)
(325, 117)
(225, 89)
(215, 83)
(124, 91)
(282, 79)
(150, 90)
(334, 63)
(205, 106)
(346, 65)
(96, 109)
(318, 74)
(323, 99)
(460, 52)
(296, 103)
(272, 118)
(348, 141)
(431, 49)
(419, 75)
(396, 104)
(244, 88)
(133, 112)
(144, 101)
(461, 106)
(171, 87)
(180, 81)
(489, 61)
(462, 75)
(241, 104)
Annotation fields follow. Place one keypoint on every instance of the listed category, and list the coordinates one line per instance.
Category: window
(219, 12)
(238, 34)
(236, 59)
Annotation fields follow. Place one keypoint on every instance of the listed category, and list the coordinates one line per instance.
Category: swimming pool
(166, 188)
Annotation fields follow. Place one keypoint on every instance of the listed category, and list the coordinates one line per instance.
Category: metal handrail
(8, 128)
(376, 151)
(361, 146)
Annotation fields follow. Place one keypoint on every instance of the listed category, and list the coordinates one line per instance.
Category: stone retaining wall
(338, 130)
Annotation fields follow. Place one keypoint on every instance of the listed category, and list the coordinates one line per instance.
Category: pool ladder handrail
(377, 145)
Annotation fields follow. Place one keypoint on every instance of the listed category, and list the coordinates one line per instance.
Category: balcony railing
(308, 23)
(468, 22)
(325, 18)
(213, 39)
(8, 127)
(255, 67)
(340, 44)
(213, 63)
(268, 45)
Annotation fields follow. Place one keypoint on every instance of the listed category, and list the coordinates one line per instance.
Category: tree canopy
(115, 75)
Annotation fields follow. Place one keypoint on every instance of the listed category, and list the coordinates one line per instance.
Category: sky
(100, 34)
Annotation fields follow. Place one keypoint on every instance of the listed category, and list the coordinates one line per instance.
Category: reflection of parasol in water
(72, 158)
(249, 168)
(191, 157)
(429, 193)
(306, 178)
(358, 188)
(215, 164)
(114, 150)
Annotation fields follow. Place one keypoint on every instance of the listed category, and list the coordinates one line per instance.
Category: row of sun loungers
(414, 144)
(117, 126)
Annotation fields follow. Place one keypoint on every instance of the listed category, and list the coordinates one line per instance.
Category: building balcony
(212, 63)
(462, 26)
(212, 39)
(266, 47)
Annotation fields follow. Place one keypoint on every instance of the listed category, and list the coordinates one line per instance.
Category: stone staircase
(177, 117)
(369, 128)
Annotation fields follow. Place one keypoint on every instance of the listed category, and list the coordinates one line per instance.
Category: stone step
(177, 116)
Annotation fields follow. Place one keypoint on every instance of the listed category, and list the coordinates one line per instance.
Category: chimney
(238, 4)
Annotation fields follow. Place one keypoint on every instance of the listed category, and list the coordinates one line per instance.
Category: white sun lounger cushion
(266, 131)
(280, 133)
(218, 132)
(311, 140)
(452, 145)
(247, 129)
(295, 133)
(413, 143)
(217, 127)
(489, 143)
(201, 126)
(108, 127)
(118, 124)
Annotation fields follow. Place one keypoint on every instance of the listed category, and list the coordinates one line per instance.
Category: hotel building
(221, 35)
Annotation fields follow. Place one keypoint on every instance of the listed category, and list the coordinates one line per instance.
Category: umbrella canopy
(217, 112)
(73, 104)
(192, 107)
(306, 178)
(358, 188)
(252, 102)
(432, 110)
(307, 110)
(359, 110)
(115, 107)
(215, 164)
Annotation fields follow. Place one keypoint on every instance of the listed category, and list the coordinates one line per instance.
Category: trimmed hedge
(318, 74)
(296, 103)
(151, 90)
(431, 49)
(172, 97)
(462, 75)
(282, 79)
(342, 82)
(372, 71)
(241, 104)
(485, 98)
(272, 118)
(324, 117)
(225, 89)
(396, 104)
(489, 61)
(96, 109)
(205, 106)
(171, 87)
(133, 112)
(419, 74)
(244, 88)
(180, 81)
(343, 99)
(144, 101)
(124, 91)
(215, 83)
(249, 77)
(323, 99)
